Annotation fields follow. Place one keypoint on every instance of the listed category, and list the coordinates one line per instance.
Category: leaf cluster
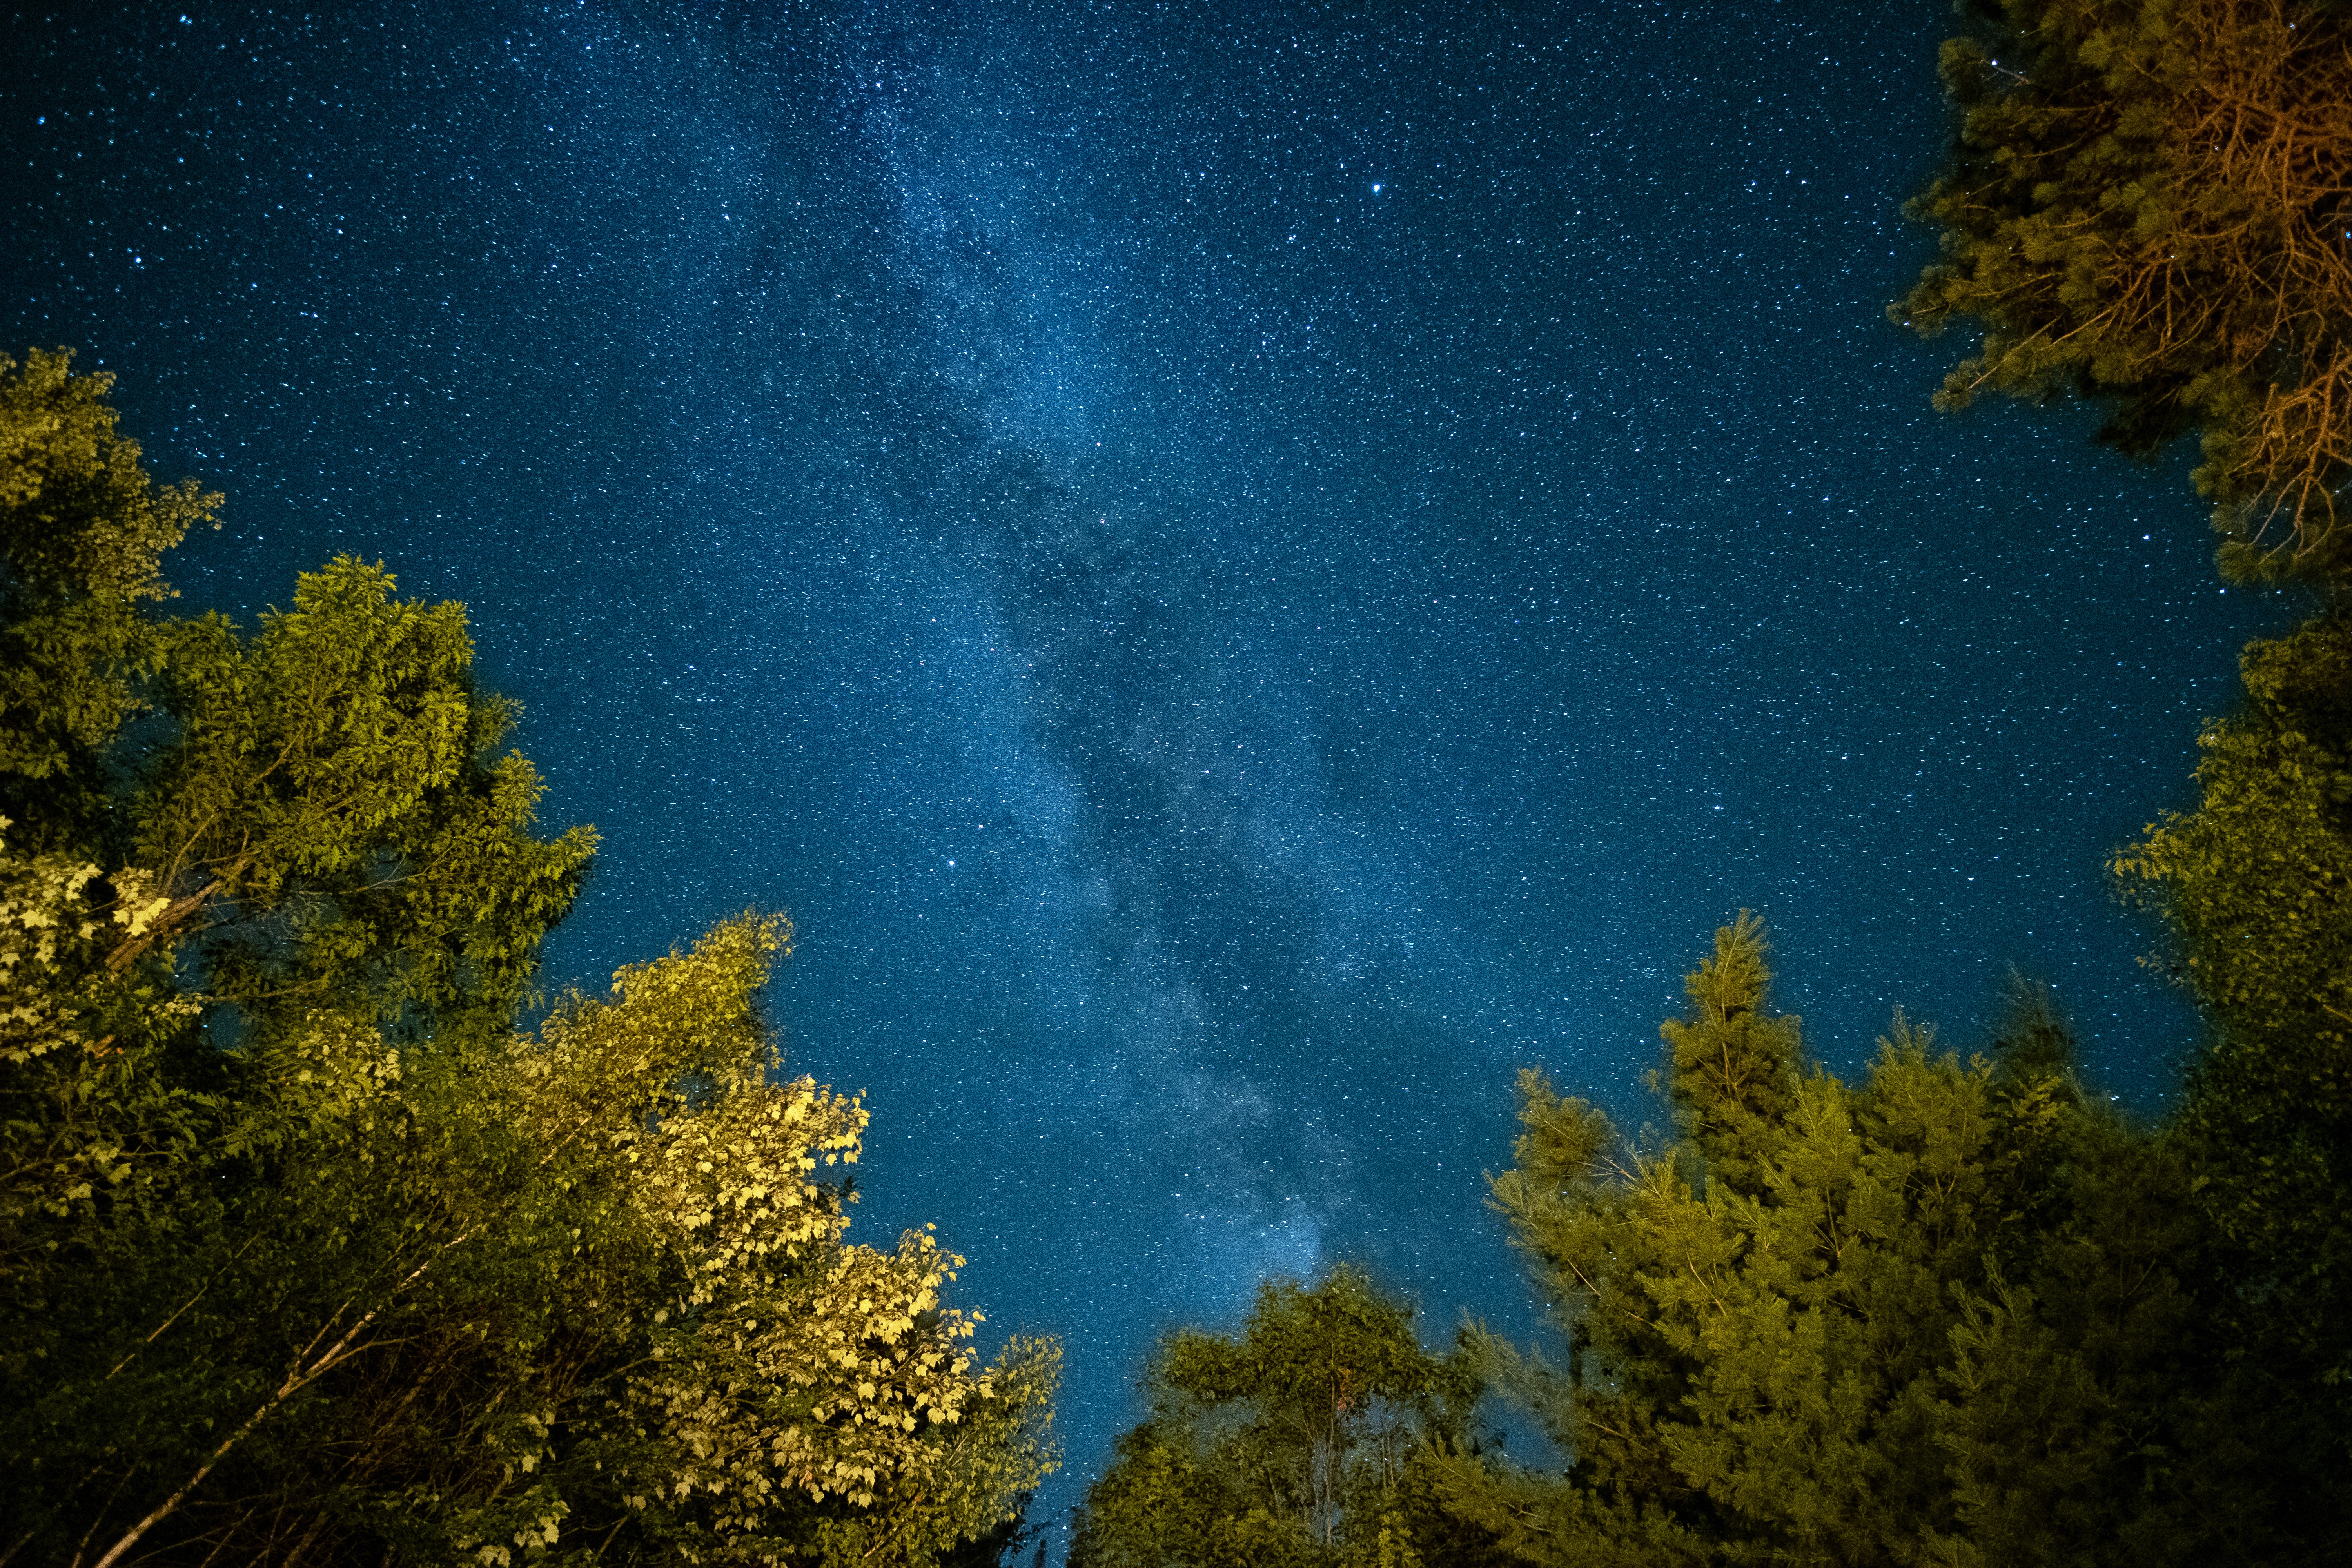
(1308, 1440)
(2255, 883)
(1827, 1322)
(307, 1251)
(82, 530)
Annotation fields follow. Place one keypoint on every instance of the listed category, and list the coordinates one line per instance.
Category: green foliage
(306, 1251)
(475, 1304)
(1737, 1072)
(2144, 205)
(2256, 884)
(1915, 1321)
(82, 528)
(91, 1113)
(1306, 1441)
(326, 804)
(2258, 878)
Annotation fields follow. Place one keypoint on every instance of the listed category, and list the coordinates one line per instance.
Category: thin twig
(192, 1301)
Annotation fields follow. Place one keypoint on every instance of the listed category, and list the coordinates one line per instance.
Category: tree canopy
(309, 1248)
(2146, 202)
(83, 529)
(2256, 881)
(315, 1249)
(1827, 1322)
(1304, 1441)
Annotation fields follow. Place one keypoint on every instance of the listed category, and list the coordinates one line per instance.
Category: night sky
(1242, 571)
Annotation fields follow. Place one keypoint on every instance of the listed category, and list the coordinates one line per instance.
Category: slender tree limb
(297, 1379)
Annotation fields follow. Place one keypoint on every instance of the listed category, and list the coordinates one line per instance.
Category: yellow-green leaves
(78, 516)
(329, 1257)
(326, 782)
(787, 1369)
(81, 1109)
(2255, 881)
(82, 528)
(1301, 1441)
(2258, 878)
(1733, 1068)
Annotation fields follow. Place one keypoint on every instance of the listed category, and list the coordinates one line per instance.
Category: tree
(1923, 1319)
(327, 805)
(307, 1250)
(82, 529)
(477, 1303)
(2146, 203)
(2255, 882)
(1304, 1441)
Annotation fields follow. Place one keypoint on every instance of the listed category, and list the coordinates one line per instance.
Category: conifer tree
(1920, 1320)
(2255, 882)
(2146, 203)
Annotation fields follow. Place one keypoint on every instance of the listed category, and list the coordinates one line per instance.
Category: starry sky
(1242, 570)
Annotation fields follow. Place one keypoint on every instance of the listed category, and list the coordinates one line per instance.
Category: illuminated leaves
(1303, 1440)
(82, 527)
(328, 783)
(2256, 883)
(329, 1258)
(2145, 203)
(84, 1114)
(786, 1369)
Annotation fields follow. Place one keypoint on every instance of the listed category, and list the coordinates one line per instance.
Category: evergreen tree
(1923, 1319)
(2256, 884)
(2146, 203)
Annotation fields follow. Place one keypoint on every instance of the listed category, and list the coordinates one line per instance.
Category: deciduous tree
(1304, 1441)
(307, 1251)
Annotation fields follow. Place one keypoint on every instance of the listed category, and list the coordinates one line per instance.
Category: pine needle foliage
(1925, 1319)
(2147, 202)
